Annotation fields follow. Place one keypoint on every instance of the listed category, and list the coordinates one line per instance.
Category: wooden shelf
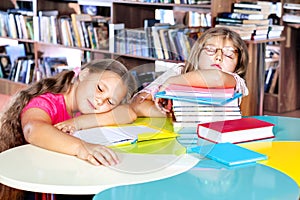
(133, 13)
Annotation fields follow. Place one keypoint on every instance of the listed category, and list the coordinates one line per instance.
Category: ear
(83, 74)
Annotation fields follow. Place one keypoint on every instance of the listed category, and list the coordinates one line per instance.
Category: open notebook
(122, 135)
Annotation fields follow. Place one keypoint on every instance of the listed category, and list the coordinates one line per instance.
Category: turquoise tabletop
(209, 181)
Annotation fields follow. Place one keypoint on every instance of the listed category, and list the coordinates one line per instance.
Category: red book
(190, 91)
(235, 131)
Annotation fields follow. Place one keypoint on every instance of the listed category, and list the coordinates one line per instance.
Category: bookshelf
(132, 14)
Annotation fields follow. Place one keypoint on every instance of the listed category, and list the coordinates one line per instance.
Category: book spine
(240, 16)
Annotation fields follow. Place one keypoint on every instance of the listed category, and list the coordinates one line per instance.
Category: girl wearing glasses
(219, 58)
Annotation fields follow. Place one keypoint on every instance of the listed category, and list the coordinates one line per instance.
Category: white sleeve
(154, 86)
(240, 85)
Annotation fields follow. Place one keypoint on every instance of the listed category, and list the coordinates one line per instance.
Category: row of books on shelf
(23, 69)
(291, 12)
(78, 30)
(161, 41)
(177, 1)
(157, 40)
(251, 20)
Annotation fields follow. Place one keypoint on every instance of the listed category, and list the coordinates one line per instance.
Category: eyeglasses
(226, 51)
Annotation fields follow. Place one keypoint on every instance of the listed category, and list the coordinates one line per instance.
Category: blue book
(199, 100)
(230, 154)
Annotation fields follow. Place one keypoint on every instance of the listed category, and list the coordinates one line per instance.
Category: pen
(124, 140)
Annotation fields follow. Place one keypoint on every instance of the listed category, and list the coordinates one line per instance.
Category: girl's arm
(203, 78)
(39, 131)
(143, 106)
(122, 114)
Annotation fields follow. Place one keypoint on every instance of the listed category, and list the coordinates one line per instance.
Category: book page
(113, 135)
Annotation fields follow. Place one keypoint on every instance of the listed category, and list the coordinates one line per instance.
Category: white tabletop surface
(35, 169)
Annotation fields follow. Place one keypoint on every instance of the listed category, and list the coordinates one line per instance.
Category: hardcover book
(235, 131)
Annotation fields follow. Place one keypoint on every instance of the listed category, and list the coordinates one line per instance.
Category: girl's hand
(98, 154)
(67, 126)
(164, 105)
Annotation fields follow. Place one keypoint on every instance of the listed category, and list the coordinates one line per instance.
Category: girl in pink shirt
(47, 112)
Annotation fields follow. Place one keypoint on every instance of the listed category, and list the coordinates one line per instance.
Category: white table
(38, 170)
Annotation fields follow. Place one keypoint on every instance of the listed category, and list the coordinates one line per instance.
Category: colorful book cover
(199, 100)
(230, 154)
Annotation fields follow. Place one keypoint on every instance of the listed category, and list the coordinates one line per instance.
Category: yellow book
(77, 27)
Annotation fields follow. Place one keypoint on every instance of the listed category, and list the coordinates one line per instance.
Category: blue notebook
(231, 154)
(198, 100)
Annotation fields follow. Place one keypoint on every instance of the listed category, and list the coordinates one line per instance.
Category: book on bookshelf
(235, 131)
(98, 32)
(66, 31)
(48, 26)
(232, 15)
(242, 21)
(247, 5)
(79, 28)
(291, 12)
(116, 34)
(157, 39)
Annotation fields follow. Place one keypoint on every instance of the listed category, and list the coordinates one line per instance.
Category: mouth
(91, 105)
(217, 66)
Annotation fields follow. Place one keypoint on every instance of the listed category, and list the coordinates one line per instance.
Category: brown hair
(193, 61)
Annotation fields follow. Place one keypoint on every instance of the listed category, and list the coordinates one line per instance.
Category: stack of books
(250, 20)
(291, 13)
(194, 105)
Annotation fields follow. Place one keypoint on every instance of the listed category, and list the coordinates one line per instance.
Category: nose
(99, 99)
(218, 56)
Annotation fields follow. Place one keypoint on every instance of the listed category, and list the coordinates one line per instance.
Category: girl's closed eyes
(227, 51)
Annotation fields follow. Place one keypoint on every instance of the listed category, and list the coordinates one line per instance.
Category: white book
(206, 113)
(247, 5)
(36, 28)
(113, 30)
(205, 118)
(184, 103)
(206, 108)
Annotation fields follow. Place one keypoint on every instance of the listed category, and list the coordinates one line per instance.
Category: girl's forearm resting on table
(43, 134)
(146, 108)
(38, 130)
(204, 78)
(122, 114)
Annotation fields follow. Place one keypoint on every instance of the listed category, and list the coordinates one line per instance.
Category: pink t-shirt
(53, 104)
